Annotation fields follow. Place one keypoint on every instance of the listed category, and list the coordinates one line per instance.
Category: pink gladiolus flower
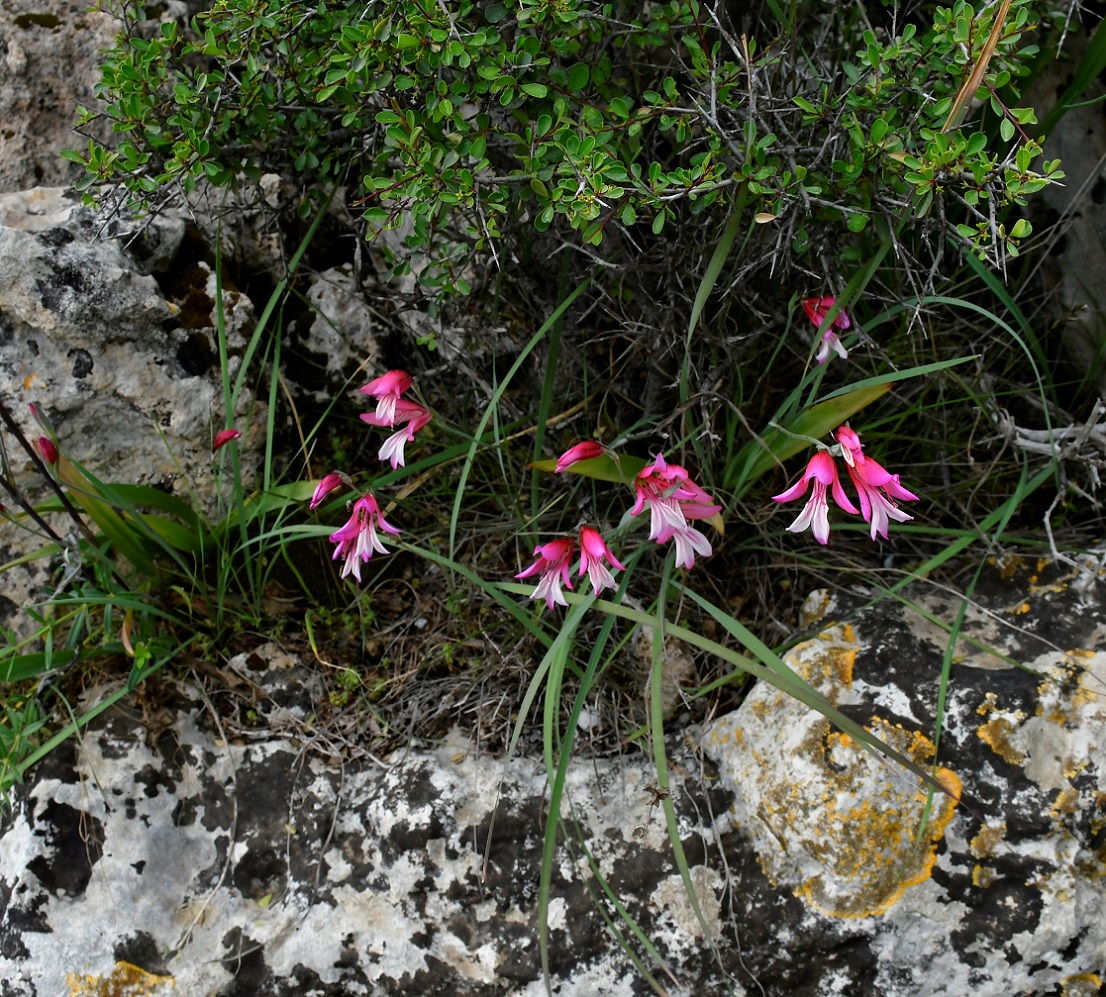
(816, 310)
(411, 413)
(47, 450)
(357, 539)
(822, 470)
(593, 551)
(582, 451)
(552, 564)
(876, 487)
(386, 389)
(673, 498)
(223, 437)
(324, 488)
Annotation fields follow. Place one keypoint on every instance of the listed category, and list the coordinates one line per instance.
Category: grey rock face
(999, 893)
(124, 365)
(278, 866)
(128, 377)
(261, 868)
(49, 64)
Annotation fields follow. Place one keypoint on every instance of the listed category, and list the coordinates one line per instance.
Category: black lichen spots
(263, 796)
(1004, 909)
(70, 283)
(118, 738)
(155, 780)
(82, 362)
(142, 950)
(185, 812)
(215, 804)
(19, 921)
(519, 963)
(11, 944)
(306, 981)
(349, 956)
(8, 608)
(819, 969)
(29, 919)
(411, 839)
(245, 961)
(439, 977)
(7, 330)
(211, 876)
(260, 873)
(1071, 951)
(55, 237)
(76, 843)
(980, 982)
(28, 21)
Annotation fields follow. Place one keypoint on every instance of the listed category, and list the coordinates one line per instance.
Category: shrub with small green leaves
(457, 119)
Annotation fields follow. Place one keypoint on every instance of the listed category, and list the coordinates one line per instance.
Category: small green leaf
(578, 77)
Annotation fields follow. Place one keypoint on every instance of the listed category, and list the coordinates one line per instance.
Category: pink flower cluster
(878, 489)
(552, 565)
(358, 539)
(672, 499)
(392, 410)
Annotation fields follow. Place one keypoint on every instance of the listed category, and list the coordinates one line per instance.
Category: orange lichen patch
(815, 608)
(1007, 565)
(982, 876)
(1083, 985)
(126, 980)
(836, 660)
(1060, 584)
(1065, 804)
(1020, 610)
(996, 734)
(867, 848)
(845, 830)
(983, 845)
(996, 731)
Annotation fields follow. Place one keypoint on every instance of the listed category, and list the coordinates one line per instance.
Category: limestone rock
(336, 338)
(264, 867)
(999, 893)
(93, 341)
(49, 64)
(124, 367)
(254, 845)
